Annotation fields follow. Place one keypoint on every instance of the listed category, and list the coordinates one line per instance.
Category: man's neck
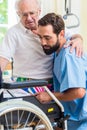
(34, 31)
(61, 45)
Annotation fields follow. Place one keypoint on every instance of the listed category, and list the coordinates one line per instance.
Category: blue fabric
(71, 72)
(77, 125)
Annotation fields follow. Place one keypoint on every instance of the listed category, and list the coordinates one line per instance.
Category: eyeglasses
(32, 14)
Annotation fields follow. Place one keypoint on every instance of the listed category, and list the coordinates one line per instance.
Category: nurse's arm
(68, 95)
(71, 94)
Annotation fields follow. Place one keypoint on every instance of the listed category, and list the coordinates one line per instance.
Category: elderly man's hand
(76, 43)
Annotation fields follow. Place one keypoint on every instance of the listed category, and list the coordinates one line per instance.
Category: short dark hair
(53, 19)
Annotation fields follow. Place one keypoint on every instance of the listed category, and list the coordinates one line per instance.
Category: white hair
(38, 2)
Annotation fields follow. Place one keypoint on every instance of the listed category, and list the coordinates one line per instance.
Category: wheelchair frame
(50, 115)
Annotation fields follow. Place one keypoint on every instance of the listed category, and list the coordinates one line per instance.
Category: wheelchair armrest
(24, 84)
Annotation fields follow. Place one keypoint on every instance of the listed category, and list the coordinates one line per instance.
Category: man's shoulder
(14, 28)
(65, 53)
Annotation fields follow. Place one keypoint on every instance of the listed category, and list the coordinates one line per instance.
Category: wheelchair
(27, 113)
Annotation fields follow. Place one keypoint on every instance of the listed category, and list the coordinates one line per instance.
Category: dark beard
(51, 49)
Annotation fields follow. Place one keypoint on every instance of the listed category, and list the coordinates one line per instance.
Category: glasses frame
(31, 13)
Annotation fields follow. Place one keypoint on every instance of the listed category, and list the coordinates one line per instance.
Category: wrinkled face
(49, 40)
(29, 13)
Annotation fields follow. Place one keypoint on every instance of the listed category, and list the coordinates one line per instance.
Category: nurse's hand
(76, 43)
(43, 97)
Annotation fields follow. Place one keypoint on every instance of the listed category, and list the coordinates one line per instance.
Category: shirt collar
(27, 31)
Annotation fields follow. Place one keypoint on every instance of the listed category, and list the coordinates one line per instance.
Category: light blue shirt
(70, 71)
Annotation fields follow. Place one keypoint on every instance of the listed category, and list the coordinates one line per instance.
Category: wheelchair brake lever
(61, 123)
(64, 118)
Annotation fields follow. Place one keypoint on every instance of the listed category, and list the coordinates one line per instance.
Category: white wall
(75, 18)
(83, 21)
(48, 6)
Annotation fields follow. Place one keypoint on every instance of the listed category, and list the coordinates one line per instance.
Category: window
(8, 16)
(3, 18)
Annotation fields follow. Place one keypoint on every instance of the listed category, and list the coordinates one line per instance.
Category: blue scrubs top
(70, 71)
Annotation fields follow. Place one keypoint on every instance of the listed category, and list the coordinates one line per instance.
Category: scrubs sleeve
(72, 73)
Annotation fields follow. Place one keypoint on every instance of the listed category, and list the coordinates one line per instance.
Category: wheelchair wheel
(17, 114)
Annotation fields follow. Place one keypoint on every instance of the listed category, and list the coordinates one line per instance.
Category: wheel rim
(23, 118)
